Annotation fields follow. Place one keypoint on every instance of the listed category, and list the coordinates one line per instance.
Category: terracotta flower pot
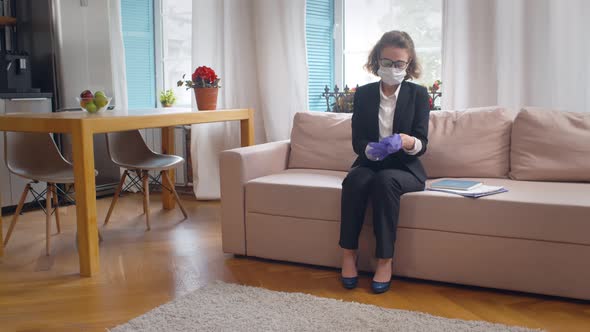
(206, 98)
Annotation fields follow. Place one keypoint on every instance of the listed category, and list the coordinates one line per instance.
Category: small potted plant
(167, 98)
(206, 85)
(435, 93)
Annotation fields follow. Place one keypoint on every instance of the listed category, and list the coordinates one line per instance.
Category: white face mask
(391, 76)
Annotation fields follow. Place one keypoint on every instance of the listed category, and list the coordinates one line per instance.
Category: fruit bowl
(93, 103)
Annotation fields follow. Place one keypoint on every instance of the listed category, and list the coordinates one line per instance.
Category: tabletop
(112, 120)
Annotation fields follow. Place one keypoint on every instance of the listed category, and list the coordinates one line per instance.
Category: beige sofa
(281, 200)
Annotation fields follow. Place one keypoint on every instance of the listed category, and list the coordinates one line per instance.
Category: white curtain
(516, 53)
(117, 55)
(257, 48)
(281, 63)
(118, 73)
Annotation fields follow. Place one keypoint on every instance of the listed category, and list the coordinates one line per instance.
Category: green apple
(91, 107)
(100, 101)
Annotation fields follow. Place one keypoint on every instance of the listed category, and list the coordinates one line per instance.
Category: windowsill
(176, 106)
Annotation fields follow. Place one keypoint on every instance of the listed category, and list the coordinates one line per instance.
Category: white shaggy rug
(229, 307)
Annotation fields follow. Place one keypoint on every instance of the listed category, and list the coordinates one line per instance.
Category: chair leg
(116, 197)
(140, 176)
(19, 208)
(48, 218)
(56, 206)
(146, 198)
(167, 177)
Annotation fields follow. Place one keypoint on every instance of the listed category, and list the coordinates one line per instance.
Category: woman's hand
(408, 142)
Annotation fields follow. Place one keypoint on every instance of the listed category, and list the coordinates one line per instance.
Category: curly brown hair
(399, 39)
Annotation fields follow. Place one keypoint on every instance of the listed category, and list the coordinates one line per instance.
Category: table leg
(85, 185)
(247, 129)
(1, 235)
(168, 148)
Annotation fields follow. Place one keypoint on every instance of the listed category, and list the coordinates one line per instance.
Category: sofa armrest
(238, 166)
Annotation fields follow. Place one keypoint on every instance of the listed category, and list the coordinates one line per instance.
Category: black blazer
(410, 117)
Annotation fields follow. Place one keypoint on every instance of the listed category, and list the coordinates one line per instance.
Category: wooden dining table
(1, 233)
(83, 126)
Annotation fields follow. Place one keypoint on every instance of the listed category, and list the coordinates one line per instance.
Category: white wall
(84, 54)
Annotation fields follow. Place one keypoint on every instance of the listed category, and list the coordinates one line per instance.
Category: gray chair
(128, 150)
(35, 156)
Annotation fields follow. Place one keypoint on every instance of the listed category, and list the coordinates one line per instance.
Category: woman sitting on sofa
(389, 132)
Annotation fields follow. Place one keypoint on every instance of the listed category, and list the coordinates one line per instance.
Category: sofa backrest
(539, 144)
(321, 141)
(550, 145)
(468, 143)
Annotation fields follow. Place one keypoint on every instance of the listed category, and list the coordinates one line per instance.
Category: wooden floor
(141, 270)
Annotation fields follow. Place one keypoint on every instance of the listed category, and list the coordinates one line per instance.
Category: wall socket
(84, 3)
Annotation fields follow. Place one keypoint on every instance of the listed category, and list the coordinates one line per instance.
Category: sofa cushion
(474, 142)
(321, 141)
(304, 193)
(550, 145)
(546, 211)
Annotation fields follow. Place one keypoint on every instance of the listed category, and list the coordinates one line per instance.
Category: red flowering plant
(434, 94)
(203, 77)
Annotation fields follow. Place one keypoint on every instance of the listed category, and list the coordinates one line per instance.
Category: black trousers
(383, 186)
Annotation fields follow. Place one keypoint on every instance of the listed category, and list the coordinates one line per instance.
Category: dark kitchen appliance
(15, 72)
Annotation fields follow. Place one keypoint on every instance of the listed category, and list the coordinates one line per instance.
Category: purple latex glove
(377, 151)
(392, 143)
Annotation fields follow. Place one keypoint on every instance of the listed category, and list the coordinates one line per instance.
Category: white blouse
(386, 115)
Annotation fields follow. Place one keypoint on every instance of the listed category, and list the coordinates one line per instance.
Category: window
(319, 25)
(365, 22)
(137, 18)
(157, 49)
(157, 39)
(341, 33)
(174, 56)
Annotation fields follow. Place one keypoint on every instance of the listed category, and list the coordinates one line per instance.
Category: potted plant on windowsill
(206, 85)
(167, 98)
(434, 93)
